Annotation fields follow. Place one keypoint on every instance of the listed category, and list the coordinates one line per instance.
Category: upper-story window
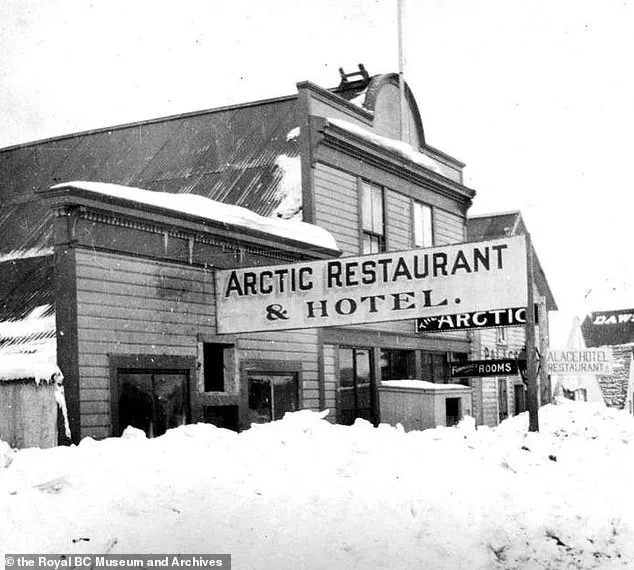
(373, 218)
(423, 234)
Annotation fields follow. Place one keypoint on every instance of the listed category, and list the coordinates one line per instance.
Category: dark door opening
(356, 385)
(453, 411)
(519, 398)
(152, 400)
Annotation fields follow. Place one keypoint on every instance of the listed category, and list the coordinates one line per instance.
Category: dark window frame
(431, 219)
(371, 233)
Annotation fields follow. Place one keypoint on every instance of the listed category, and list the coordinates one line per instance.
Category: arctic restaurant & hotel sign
(373, 288)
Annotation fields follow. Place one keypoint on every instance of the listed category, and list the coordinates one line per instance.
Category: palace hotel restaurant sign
(373, 288)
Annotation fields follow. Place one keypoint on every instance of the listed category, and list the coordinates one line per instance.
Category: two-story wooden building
(125, 283)
(498, 397)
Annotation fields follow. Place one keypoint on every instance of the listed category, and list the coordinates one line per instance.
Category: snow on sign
(373, 288)
(580, 361)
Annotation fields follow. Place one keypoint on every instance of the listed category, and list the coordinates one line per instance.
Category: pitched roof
(609, 328)
(507, 224)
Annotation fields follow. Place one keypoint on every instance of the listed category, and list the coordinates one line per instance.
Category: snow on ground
(304, 494)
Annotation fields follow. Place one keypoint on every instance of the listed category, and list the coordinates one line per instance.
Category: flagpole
(401, 72)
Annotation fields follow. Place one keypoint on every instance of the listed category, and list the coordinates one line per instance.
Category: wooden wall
(130, 305)
(28, 414)
(337, 210)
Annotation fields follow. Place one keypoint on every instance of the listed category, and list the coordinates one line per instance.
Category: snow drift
(302, 493)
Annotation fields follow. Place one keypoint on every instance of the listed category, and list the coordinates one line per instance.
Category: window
(398, 364)
(435, 367)
(423, 233)
(373, 219)
(271, 395)
(218, 366)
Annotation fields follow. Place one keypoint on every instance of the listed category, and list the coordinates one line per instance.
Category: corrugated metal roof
(491, 226)
(507, 224)
(227, 155)
(27, 306)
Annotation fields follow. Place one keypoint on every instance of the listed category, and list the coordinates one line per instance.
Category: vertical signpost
(531, 364)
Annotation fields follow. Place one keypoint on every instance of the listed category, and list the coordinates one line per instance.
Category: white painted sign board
(597, 361)
(373, 288)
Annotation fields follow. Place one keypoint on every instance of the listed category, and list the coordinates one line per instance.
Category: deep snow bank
(302, 493)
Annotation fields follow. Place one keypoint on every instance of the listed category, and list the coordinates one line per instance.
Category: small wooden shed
(30, 389)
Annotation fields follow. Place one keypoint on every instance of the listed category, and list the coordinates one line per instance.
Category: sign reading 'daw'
(373, 288)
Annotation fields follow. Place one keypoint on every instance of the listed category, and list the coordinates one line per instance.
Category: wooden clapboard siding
(330, 380)
(490, 415)
(448, 227)
(288, 346)
(131, 305)
(337, 206)
(398, 221)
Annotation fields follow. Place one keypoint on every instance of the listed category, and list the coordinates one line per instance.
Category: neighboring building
(614, 329)
(497, 398)
(123, 289)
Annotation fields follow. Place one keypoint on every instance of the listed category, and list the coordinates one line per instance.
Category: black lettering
(398, 299)
(498, 249)
(427, 299)
(233, 286)
(401, 270)
(281, 273)
(481, 258)
(352, 306)
(351, 277)
(250, 280)
(418, 272)
(440, 264)
(368, 270)
(305, 284)
(322, 307)
(384, 263)
(265, 289)
(334, 274)
(460, 263)
(372, 299)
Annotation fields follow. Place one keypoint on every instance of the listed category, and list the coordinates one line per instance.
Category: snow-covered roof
(422, 385)
(202, 207)
(28, 348)
(39, 367)
(406, 150)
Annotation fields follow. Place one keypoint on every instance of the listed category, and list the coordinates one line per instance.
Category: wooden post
(531, 363)
(544, 336)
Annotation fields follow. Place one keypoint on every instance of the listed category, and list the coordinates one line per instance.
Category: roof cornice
(354, 145)
(338, 102)
(68, 197)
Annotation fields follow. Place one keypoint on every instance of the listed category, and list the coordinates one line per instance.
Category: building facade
(497, 398)
(124, 295)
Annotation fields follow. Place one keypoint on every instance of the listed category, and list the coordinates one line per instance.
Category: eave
(344, 141)
(67, 198)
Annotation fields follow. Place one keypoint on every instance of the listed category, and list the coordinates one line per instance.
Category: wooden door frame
(152, 362)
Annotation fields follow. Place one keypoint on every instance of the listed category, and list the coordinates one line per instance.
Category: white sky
(535, 96)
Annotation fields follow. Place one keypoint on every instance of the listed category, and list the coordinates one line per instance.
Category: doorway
(356, 385)
(151, 393)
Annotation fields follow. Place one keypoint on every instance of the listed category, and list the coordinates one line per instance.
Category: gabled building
(614, 329)
(497, 398)
(125, 285)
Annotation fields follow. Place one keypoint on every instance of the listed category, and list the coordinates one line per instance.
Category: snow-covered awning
(201, 207)
(422, 385)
